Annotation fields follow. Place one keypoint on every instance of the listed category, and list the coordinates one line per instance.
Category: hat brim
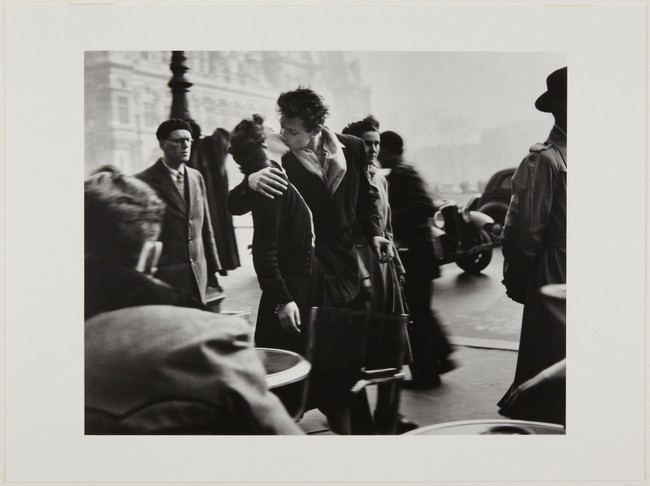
(544, 103)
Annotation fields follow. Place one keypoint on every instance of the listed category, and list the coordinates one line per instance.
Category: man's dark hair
(391, 142)
(168, 126)
(246, 144)
(120, 214)
(358, 128)
(305, 104)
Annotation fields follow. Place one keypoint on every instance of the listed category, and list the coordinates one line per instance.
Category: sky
(442, 98)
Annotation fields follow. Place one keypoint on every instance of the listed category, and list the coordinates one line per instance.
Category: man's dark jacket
(354, 199)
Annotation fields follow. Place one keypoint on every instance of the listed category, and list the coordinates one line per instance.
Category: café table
(286, 377)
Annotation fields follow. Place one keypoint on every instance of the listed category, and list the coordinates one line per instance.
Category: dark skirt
(268, 331)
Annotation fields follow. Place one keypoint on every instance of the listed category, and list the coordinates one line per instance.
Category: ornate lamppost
(179, 86)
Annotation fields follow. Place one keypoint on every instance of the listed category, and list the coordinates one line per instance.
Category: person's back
(152, 367)
(174, 370)
(534, 238)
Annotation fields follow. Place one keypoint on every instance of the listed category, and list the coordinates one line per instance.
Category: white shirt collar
(175, 172)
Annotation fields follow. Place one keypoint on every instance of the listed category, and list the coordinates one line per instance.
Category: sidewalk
(470, 392)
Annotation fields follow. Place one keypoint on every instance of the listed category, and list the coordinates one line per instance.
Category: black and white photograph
(326, 251)
(335, 255)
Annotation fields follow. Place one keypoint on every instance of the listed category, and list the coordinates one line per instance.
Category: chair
(352, 350)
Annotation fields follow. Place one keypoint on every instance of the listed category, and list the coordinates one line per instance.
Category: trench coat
(189, 255)
(534, 250)
(384, 277)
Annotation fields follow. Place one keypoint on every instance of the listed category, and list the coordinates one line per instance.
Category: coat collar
(167, 187)
(557, 137)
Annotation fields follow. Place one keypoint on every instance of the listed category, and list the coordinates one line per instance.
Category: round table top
(555, 291)
(283, 367)
(490, 427)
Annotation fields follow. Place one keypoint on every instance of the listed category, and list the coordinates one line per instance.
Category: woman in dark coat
(283, 241)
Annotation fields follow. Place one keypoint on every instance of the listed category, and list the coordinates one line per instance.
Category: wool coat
(209, 158)
(334, 215)
(282, 256)
(189, 256)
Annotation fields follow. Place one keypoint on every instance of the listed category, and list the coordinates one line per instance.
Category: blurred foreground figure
(152, 366)
(412, 210)
(534, 238)
(543, 397)
(122, 219)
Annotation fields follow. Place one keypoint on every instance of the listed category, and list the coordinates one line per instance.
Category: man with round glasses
(189, 259)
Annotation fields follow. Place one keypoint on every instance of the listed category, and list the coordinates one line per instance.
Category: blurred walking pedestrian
(534, 238)
(412, 210)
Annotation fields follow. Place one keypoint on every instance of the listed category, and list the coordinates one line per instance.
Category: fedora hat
(555, 91)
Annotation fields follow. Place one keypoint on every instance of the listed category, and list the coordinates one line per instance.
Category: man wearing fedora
(534, 242)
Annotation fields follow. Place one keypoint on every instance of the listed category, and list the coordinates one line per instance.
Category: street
(476, 306)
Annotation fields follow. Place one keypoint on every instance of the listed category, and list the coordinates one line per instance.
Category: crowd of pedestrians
(340, 221)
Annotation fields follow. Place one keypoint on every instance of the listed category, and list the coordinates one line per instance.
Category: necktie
(180, 184)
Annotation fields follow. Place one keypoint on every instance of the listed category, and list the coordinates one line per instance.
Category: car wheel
(476, 263)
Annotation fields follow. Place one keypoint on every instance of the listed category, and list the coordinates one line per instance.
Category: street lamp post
(179, 86)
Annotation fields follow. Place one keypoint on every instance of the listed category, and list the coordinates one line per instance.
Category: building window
(123, 109)
(149, 115)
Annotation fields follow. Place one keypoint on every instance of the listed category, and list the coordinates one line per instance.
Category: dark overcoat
(209, 158)
(282, 255)
(355, 199)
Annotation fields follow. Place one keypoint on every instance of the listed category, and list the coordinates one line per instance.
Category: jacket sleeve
(266, 234)
(209, 244)
(240, 198)
(368, 198)
(533, 186)
(408, 196)
(388, 233)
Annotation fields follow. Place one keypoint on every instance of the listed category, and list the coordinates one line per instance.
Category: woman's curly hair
(247, 144)
(358, 128)
(120, 214)
(305, 104)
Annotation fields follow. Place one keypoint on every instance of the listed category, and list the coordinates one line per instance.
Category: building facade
(126, 95)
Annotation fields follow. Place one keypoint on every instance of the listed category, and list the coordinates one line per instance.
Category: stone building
(126, 95)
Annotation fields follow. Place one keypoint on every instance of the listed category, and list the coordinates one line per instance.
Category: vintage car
(464, 236)
(496, 196)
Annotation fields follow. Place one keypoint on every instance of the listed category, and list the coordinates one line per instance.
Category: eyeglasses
(180, 141)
